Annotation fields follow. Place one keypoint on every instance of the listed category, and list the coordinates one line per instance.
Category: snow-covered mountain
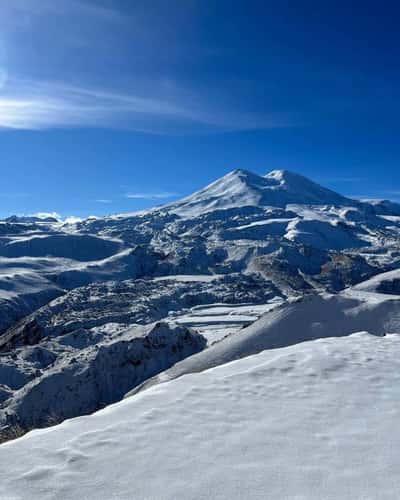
(116, 300)
(242, 188)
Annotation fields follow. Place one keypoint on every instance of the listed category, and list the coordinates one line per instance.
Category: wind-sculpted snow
(317, 420)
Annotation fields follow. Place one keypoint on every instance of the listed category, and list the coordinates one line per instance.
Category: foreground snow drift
(315, 420)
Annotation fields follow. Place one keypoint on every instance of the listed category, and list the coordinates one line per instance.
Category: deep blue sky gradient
(307, 86)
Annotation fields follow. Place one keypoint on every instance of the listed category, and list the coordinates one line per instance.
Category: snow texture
(314, 420)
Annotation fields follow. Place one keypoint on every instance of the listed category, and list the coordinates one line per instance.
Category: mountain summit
(243, 188)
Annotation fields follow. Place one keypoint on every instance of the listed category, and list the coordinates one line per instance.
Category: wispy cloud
(124, 68)
(152, 196)
(103, 200)
(34, 105)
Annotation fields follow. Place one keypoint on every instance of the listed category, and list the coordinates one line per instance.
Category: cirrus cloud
(126, 72)
(161, 195)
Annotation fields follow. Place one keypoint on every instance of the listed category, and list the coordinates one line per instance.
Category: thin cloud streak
(151, 196)
(143, 96)
(33, 105)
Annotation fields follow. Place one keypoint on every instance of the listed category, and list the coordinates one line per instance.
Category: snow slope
(76, 247)
(314, 317)
(388, 283)
(24, 288)
(317, 420)
(242, 188)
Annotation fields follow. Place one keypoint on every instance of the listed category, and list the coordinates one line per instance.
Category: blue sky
(113, 106)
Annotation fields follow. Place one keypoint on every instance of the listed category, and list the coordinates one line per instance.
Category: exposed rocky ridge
(83, 380)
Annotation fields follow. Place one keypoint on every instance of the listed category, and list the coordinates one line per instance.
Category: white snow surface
(317, 420)
(243, 188)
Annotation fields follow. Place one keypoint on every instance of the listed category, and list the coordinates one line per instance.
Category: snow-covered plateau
(239, 343)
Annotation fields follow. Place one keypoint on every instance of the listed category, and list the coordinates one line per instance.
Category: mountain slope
(241, 188)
